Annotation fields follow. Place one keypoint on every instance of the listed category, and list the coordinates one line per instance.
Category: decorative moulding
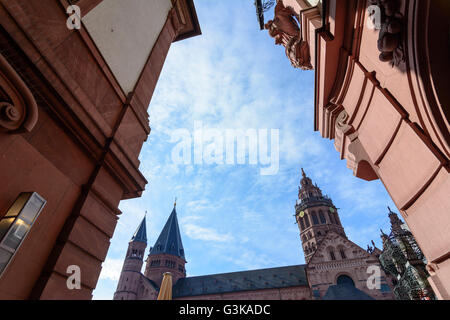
(18, 108)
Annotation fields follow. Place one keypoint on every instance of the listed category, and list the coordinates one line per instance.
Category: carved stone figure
(390, 38)
(285, 29)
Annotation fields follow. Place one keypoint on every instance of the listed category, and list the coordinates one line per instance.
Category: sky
(232, 217)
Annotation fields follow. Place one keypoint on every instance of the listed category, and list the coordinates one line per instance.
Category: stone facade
(291, 293)
(328, 252)
(381, 93)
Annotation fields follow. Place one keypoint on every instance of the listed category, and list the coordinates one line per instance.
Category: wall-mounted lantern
(16, 223)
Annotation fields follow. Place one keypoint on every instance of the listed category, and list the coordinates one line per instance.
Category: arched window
(309, 235)
(314, 217)
(319, 233)
(322, 217)
(346, 280)
(304, 238)
(330, 215)
(332, 256)
(307, 220)
(342, 252)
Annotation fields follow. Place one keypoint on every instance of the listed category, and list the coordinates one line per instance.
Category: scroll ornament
(18, 108)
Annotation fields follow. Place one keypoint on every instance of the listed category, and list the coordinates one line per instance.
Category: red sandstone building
(382, 94)
(73, 118)
(336, 268)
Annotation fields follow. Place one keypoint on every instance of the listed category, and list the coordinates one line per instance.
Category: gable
(336, 242)
(147, 289)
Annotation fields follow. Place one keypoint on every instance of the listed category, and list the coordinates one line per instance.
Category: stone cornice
(338, 264)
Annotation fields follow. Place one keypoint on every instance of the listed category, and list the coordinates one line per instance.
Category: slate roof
(345, 292)
(169, 241)
(141, 233)
(272, 278)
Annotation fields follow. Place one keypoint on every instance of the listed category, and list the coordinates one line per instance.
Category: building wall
(389, 119)
(292, 293)
(81, 154)
(324, 272)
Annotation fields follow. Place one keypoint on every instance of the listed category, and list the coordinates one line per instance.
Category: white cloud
(250, 260)
(199, 205)
(111, 269)
(206, 234)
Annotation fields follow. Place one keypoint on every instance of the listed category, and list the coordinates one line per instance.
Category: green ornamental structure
(403, 260)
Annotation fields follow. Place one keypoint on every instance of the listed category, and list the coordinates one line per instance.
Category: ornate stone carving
(390, 37)
(18, 108)
(341, 120)
(285, 29)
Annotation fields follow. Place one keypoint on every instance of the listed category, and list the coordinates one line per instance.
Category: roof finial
(303, 173)
(175, 202)
(390, 211)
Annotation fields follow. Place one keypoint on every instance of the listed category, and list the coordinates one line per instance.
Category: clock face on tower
(302, 213)
(331, 209)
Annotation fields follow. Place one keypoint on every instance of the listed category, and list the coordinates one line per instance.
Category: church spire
(169, 241)
(396, 223)
(141, 232)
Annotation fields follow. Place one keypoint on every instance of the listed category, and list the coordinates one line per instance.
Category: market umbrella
(165, 293)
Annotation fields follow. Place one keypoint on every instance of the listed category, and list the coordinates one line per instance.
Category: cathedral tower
(337, 268)
(131, 271)
(167, 255)
(316, 215)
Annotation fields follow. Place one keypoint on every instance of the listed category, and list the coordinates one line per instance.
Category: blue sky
(231, 217)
